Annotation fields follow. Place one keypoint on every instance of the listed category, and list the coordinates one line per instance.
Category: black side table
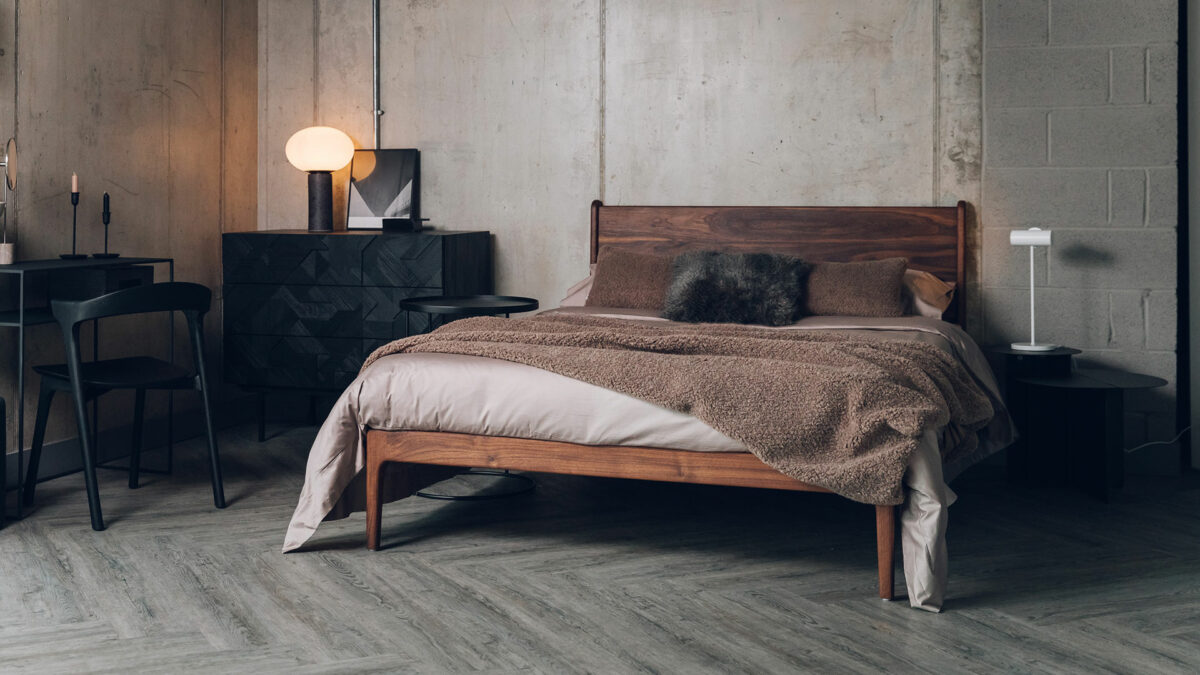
(462, 306)
(1072, 421)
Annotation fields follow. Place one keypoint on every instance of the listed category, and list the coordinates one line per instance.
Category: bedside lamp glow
(1033, 237)
(320, 151)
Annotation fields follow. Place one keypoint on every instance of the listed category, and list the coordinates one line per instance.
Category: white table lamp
(1033, 237)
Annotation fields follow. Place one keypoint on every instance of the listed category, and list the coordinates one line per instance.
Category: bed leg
(374, 471)
(885, 541)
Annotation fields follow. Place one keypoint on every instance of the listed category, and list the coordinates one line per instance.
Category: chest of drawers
(302, 310)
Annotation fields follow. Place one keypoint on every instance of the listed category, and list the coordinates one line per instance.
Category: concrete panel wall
(145, 114)
(525, 111)
(1079, 110)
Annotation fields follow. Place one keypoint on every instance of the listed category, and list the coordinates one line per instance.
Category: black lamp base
(73, 256)
(320, 201)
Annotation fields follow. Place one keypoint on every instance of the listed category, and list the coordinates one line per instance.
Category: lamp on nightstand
(1033, 238)
(320, 151)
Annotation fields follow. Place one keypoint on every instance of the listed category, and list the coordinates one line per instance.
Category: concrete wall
(1080, 137)
(141, 99)
(527, 110)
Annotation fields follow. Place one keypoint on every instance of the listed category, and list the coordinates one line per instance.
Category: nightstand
(1071, 420)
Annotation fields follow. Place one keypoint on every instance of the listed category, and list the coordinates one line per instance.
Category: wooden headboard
(931, 237)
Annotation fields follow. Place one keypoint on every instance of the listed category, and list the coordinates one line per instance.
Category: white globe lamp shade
(319, 149)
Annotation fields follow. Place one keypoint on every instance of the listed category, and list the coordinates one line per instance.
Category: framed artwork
(385, 190)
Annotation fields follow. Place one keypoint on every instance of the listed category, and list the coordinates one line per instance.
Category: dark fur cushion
(713, 287)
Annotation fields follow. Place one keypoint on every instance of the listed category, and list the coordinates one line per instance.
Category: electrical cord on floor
(1150, 443)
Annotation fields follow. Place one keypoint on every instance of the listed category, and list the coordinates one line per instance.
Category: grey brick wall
(1080, 137)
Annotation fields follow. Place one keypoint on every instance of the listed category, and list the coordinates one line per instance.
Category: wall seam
(316, 61)
(16, 111)
(602, 131)
(937, 102)
(221, 154)
(980, 220)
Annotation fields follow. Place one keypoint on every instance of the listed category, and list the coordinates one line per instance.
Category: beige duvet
(467, 394)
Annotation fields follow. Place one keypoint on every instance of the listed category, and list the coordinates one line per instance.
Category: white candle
(74, 182)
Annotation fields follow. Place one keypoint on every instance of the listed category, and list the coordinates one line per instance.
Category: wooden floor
(586, 575)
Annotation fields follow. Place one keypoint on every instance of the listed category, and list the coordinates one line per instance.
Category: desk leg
(1096, 442)
(21, 399)
(262, 416)
(171, 393)
(96, 400)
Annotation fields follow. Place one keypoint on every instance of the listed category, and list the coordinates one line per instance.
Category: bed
(378, 445)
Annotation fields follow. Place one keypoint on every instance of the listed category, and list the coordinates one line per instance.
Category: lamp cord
(1150, 443)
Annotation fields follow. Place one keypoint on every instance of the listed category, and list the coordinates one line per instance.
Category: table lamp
(320, 151)
(1033, 237)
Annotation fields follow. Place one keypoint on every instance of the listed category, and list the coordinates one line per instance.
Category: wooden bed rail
(423, 450)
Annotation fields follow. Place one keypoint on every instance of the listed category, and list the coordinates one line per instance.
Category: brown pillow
(631, 280)
(868, 288)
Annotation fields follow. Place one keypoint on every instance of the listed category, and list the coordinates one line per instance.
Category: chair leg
(45, 398)
(885, 540)
(89, 466)
(135, 447)
(218, 484)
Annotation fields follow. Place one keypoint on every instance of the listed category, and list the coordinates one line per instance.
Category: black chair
(88, 380)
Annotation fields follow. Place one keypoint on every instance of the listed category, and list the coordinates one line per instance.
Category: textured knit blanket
(827, 408)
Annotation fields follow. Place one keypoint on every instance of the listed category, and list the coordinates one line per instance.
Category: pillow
(925, 294)
(868, 288)
(632, 280)
(712, 287)
(577, 295)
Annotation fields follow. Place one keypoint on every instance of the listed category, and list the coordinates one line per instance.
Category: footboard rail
(422, 450)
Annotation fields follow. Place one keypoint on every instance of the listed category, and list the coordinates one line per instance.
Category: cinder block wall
(1080, 137)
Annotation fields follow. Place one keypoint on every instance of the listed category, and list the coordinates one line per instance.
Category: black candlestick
(74, 220)
(105, 216)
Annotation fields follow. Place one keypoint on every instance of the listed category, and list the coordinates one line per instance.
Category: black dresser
(303, 310)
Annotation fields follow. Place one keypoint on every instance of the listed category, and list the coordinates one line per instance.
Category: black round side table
(462, 306)
(1071, 419)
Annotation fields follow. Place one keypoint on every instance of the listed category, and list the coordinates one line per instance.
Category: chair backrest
(177, 296)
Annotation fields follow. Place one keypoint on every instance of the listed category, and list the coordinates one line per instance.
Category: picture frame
(384, 191)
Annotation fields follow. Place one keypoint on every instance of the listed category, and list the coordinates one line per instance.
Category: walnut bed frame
(930, 237)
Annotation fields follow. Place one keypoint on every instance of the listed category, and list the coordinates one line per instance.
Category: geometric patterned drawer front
(302, 310)
(293, 361)
(403, 260)
(324, 311)
(384, 320)
(294, 259)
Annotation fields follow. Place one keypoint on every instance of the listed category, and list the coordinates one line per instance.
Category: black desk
(24, 316)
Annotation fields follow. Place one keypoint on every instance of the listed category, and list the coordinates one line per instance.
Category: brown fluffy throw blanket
(826, 408)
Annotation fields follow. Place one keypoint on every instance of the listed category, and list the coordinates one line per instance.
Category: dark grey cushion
(714, 287)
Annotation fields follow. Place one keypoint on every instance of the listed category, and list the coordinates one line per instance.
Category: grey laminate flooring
(586, 575)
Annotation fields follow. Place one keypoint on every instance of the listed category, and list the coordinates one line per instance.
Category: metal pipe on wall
(376, 112)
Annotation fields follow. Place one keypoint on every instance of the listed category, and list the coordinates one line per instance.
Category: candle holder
(74, 220)
(105, 216)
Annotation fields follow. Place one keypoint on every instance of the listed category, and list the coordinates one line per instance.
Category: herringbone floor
(586, 575)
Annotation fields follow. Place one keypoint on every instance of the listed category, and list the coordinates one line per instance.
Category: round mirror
(10, 163)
